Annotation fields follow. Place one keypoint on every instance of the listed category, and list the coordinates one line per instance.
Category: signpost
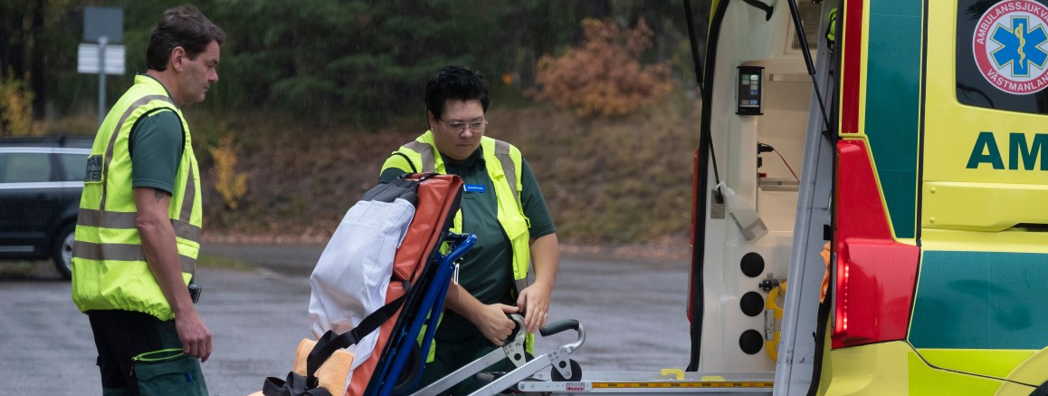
(104, 26)
(88, 60)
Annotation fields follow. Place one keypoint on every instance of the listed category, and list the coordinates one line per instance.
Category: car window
(810, 14)
(1001, 53)
(73, 166)
(24, 168)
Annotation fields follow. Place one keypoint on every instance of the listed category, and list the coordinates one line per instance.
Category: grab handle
(518, 327)
(566, 324)
(559, 326)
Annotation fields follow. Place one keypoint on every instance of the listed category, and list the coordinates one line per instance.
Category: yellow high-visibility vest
(109, 266)
(503, 163)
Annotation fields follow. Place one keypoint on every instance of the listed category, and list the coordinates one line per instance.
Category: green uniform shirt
(486, 270)
(156, 149)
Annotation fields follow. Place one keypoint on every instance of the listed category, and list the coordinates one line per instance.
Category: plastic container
(740, 211)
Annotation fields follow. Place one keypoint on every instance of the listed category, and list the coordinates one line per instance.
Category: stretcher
(563, 368)
(400, 364)
(421, 275)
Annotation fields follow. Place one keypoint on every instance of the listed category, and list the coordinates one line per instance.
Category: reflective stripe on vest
(109, 265)
(502, 150)
(116, 133)
(502, 153)
(121, 252)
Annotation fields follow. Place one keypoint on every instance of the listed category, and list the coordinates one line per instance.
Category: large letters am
(1020, 149)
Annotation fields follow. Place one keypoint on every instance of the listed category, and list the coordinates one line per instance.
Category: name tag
(94, 169)
(479, 188)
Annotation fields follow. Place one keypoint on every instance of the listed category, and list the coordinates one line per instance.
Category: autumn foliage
(228, 182)
(603, 77)
(16, 107)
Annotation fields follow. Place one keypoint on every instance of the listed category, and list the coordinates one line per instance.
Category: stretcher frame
(563, 367)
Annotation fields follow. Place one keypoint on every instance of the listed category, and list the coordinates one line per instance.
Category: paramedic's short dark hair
(456, 83)
(183, 26)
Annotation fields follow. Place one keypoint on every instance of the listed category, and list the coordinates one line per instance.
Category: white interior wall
(786, 97)
(783, 126)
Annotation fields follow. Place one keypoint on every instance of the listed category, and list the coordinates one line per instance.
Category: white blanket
(352, 275)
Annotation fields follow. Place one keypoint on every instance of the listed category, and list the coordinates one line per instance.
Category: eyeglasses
(459, 126)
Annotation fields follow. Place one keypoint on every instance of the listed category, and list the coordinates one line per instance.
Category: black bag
(169, 372)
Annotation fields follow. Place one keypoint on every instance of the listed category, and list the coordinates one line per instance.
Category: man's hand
(158, 245)
(195, 337)
(534, 301)
(493, 323)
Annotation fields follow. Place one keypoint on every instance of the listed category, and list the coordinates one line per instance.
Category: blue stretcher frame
(431, 289)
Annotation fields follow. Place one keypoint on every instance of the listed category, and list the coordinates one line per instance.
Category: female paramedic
(502, 205)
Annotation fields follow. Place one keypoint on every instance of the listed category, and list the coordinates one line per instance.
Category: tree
(604, 77)
(21, 63)
(337, 60)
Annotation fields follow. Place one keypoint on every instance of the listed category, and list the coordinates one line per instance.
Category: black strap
(330, 342)
(413, 170)
(297, 385)
(294, 385)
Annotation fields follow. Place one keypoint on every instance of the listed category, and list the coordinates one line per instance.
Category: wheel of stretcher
(412, 368)
(576, 372)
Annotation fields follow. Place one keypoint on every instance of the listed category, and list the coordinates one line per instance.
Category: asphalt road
(633, 312)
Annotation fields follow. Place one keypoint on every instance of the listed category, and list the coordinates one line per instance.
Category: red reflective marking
(875, 274)
(852, 62)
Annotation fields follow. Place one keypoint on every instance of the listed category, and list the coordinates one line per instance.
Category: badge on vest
(479, 188)
(94, 169)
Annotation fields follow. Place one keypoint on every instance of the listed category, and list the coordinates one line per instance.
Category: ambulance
(870, 212)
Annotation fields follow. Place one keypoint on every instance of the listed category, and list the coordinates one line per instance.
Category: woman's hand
(534, 301)
(493, 323)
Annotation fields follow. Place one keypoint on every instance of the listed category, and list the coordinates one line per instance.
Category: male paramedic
(502, 205)
(138, 232)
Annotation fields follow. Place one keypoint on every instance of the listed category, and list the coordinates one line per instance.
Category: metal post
(102, 78)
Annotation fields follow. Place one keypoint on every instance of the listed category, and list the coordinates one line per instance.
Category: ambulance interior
(760, 155)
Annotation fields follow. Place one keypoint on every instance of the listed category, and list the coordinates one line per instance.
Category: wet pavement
(633, 311)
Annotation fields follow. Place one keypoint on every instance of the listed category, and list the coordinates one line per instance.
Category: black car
(41, 179)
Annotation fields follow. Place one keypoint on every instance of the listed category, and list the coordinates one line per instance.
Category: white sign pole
(102, 41)
(102, 25)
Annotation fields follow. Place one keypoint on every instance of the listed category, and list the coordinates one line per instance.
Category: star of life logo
(1009, 45)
